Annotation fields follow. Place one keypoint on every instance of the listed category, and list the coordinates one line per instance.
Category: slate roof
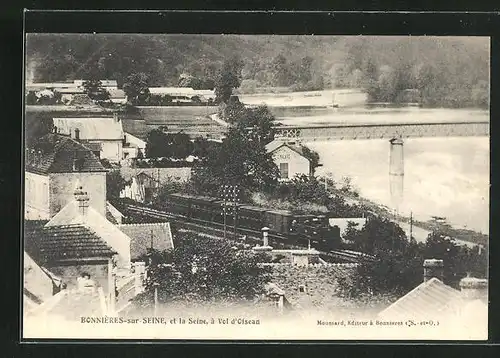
(54, 153)
(426, 301)
(65, 242)
(91, 128)
(141, 236)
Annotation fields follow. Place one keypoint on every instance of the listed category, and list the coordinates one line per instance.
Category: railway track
(251, 236)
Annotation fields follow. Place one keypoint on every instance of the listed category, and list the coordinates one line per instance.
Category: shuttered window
(284, 170)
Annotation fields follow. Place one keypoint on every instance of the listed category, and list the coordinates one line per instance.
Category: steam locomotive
(298, 229)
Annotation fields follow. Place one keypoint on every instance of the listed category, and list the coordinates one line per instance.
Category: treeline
(435, 72)
(399, 268)
(438, 72)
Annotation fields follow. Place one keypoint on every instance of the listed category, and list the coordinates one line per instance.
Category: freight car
(302, 229)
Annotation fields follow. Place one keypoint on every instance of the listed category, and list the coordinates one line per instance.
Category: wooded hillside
(449, 72)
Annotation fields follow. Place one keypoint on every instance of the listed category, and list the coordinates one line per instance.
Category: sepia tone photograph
(256, 187)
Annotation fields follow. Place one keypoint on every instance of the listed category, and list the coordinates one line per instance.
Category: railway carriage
(278, 221)
(179, 204)
(304, 228)
(251, 217)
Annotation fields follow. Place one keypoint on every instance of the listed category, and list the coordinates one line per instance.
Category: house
(39, 284)
(290, 159)
(132, 146)
(113, 214)
(108, 132)
(183, 94)
(108, 85)
(79, 240)
(53, 166)
(157, 236)
(142, 188)
(307, 283)
(117, 96)
(464, 311)
(144, 182)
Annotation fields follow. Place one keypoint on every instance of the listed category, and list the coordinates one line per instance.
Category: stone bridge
(384, 131)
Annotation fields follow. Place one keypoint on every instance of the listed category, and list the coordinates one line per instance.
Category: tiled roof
(426, 301)
(95, 147)
(55, 153)
(91, 128)
(276, 144)
(56, 243)
(143, 235)
(97, 224)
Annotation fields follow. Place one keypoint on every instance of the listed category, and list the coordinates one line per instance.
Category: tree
(228, 78)
(237, 160)
(136, 88)
(313, 157)
(458, 260)
(202, 269)
(95, 90)
(168, 145)
(115, 183)
(280, 71)
(256, 124)
(31, 98)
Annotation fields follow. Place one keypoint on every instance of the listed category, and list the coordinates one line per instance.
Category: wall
(297, 164)
(320, 281)
(69, 274)
(111, 150)
(62, 188)
(136, 142)
(36, 197)
(162, 174)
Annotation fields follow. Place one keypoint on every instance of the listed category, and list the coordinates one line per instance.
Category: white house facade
(289, 159)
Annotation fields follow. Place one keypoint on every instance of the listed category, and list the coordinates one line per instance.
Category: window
(302, 288)
(284, 170)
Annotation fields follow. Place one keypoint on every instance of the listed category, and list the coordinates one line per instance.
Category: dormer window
(78, 164)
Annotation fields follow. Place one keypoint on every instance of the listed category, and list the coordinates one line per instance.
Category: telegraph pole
(224, 207)
(411, 225)
(235, 198)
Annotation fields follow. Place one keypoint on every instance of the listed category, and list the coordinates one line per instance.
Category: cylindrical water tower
(396, 172)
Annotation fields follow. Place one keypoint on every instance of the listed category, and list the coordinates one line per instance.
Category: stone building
(289, 158)
(53, 167)
(107, 132)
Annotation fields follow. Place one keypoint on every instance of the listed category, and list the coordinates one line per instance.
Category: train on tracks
(299, 229)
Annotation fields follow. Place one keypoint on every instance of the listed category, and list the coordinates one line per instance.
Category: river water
(448, 176)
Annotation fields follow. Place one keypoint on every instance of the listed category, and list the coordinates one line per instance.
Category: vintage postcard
(256, 187)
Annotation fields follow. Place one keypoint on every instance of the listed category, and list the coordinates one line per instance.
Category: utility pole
(411, 225)
(224, 207)
(235, 198)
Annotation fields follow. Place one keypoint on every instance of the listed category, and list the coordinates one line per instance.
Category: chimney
(433, 268)
(82, 198)
(474, 288)
(115, 117)
(54, 129)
